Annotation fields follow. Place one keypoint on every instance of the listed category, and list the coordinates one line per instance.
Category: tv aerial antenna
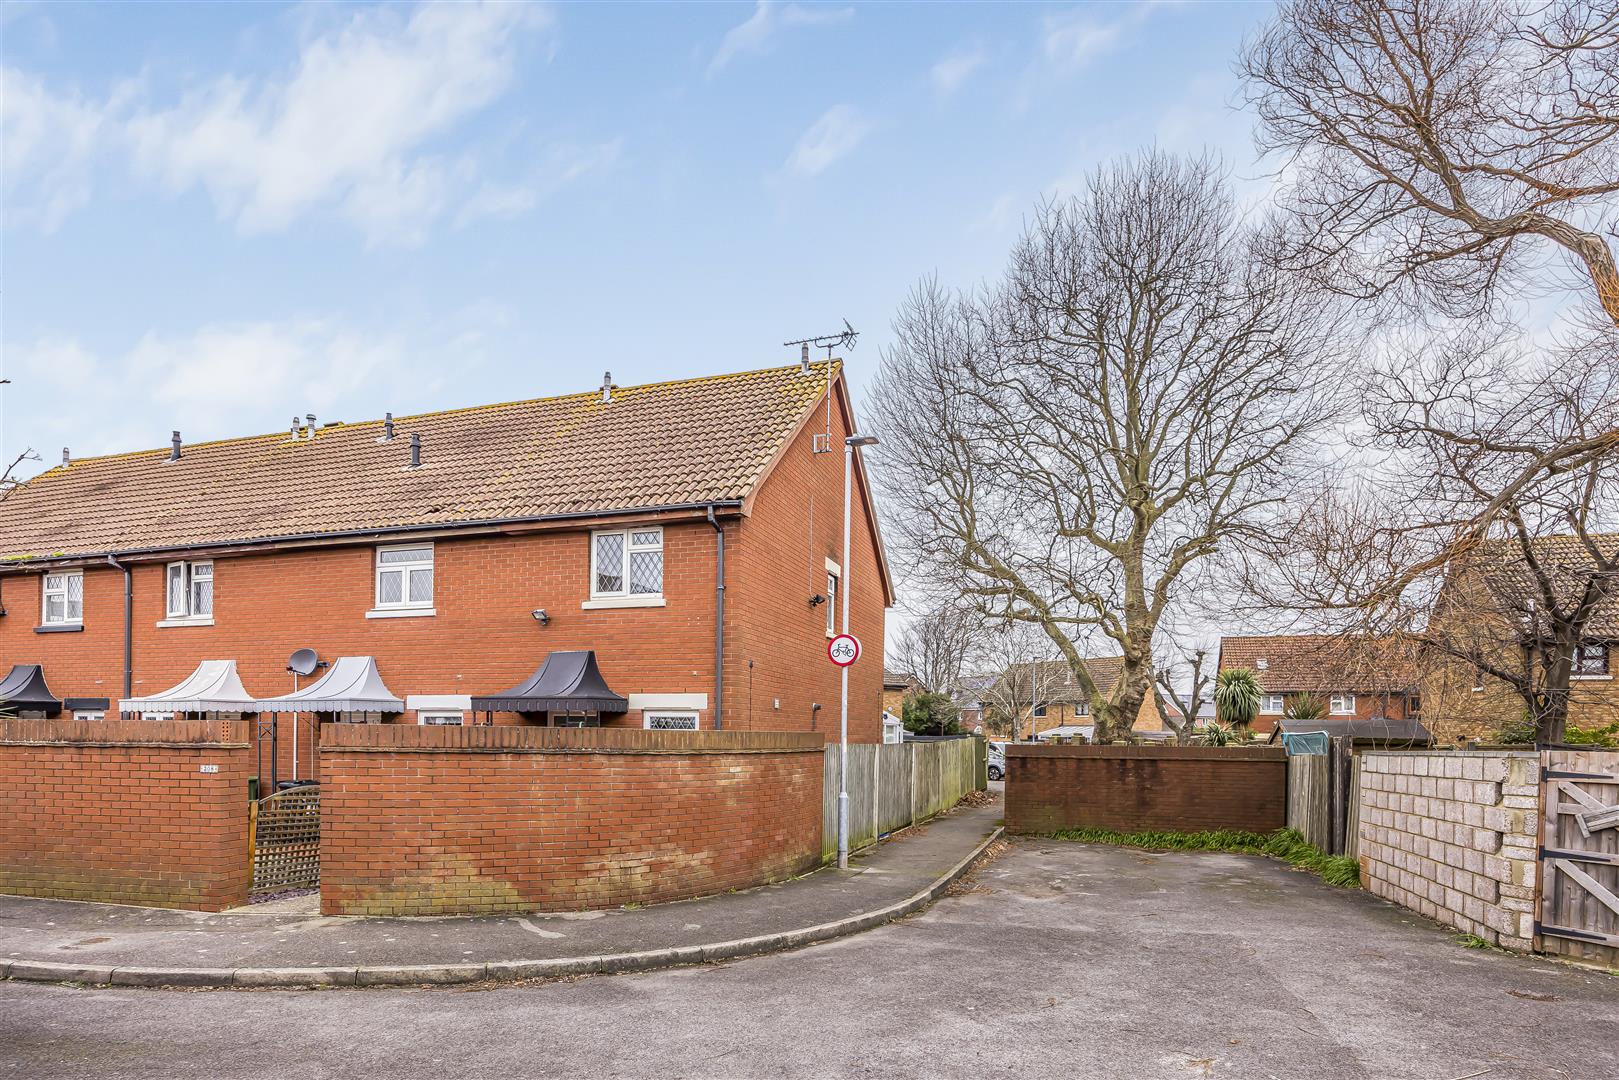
(845, 339)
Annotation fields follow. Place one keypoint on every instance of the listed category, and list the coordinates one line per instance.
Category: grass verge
(1285, 844)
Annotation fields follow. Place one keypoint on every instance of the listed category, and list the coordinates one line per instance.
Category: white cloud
(948, 74)
(1075, 38)
(835, 134)
(562, 166)
(757, 34)
(50, 144)
(349, 123)
(351, 126)
(221, 380)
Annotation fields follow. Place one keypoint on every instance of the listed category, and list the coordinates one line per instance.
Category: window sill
(606, 602)
(1589, 678)
(167, 623)
(60, 628)
(401, 613)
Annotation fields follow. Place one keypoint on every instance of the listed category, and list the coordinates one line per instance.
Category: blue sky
(218, 216)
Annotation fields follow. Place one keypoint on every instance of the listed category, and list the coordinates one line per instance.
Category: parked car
(997, 761)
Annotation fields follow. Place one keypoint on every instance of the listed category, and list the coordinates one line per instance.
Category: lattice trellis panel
(286, 840)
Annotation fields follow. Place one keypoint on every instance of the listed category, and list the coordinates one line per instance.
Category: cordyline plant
(1306, 706)
(1065, 447)
(1236, 696)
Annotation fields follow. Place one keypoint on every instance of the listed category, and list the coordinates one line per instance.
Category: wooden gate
(284, 836)
(1577, 902)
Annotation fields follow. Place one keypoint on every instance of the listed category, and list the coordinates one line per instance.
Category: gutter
(25, 564)
(129, 626)
(719, 620)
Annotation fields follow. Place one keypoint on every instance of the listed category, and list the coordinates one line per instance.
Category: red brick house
(1353, 681)
(434, 563)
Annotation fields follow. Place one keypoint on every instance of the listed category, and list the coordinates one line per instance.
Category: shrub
(1306, 706)
(1236, 696)
(931, 714)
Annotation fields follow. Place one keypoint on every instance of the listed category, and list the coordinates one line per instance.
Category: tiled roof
(1320, 663)
(672, 443)
(1060, 684)
(1569, 566)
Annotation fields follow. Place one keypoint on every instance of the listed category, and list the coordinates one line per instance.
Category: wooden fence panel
(1309, 798)
(1577, 899)
(894, 787)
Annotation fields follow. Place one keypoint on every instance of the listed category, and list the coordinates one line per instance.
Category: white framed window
(405, 578)
(157, 716)
(667, 720)
(440, 717)
(834, 583)
(626, 563)
(1591, 661)
(88, 714)
(1273, 704)
(62, 598)
(190, 590)
(1341, 705)
(1040, 711)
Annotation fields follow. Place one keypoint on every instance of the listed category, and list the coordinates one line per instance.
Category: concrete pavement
(97, 943)
(1054, 960)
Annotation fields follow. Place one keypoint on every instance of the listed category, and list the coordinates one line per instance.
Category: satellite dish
(303, 662)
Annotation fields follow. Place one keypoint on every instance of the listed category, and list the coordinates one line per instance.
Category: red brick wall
(795, 526)
(122, 812)
(482, 820)
(1184, 789)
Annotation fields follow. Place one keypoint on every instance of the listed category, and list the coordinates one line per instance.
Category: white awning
(351, 685)
(213, 687)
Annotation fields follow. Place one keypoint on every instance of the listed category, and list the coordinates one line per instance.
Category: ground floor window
(157, 716)
(664, 720)
(88, 714)
(439, 718)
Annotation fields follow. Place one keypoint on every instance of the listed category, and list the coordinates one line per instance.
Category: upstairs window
(627, 562)
(191, 590)
(1591, 660)
(1040, 711)
(405, 577)
(63, 598)
(1342, 705)
(832, 586)
(1272, 704)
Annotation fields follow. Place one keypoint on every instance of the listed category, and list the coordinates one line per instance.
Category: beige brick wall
(1452, 836)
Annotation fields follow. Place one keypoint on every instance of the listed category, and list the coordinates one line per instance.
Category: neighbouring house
(1048, 696)
(968, 695)
(1481, 614)
(1353, 680)
(664, 556)
(898, 688)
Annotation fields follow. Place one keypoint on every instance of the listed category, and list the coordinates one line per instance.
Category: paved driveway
(1057, 960)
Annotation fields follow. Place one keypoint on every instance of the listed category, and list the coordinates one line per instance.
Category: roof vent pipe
(387, 428)
(67, 458)
(294, 429)
(174, 447)
(803, 359)
(309, 432)
(415, 451)
(607, 386)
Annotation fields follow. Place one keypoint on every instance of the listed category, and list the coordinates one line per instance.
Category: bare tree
(1431, 144)
(1065, 445)
(1020, 675)
(1488, 538)
(936, 645)
(1195, 675)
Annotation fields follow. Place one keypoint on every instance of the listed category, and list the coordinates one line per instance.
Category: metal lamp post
(849, 445)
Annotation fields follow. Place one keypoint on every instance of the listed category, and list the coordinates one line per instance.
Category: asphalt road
(1055, 960)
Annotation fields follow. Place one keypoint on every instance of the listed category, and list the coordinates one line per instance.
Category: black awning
(87, 704)
(24, 690)
(566, 682)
